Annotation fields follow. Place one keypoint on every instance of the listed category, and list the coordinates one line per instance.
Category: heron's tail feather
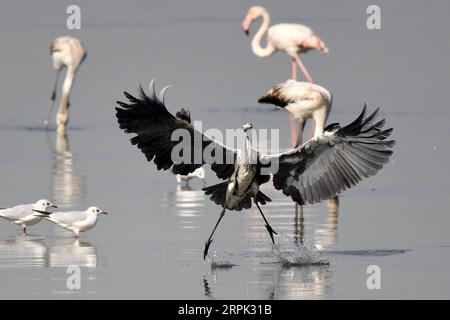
(262, 198)
(218, 192)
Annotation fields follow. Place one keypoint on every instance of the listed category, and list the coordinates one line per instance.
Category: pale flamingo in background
(66, 52)
(288, 37)
(303, 100)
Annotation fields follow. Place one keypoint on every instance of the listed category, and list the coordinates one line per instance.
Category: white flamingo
(303, 100)
(67, 52)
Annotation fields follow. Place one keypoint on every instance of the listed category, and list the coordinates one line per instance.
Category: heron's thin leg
(208, 242)
(313, 128)
(52, 100)
(304, 70)
(268, 227)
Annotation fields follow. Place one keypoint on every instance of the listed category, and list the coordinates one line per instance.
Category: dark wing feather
(153, 124)
(338, 160)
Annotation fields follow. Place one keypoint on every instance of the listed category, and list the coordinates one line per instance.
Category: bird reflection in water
(185, 208)
(325, 234)
(68, 188)
(296, 282)
(23, 251)
(207, 289)
(187, 203)
(32, 251)
(73, 252)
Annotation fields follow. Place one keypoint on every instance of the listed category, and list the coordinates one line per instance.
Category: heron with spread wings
(317, 170)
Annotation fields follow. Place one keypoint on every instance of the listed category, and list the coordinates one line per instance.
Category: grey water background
(150, 246)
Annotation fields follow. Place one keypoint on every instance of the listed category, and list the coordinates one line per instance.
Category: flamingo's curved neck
(256, 42)
(62, 116)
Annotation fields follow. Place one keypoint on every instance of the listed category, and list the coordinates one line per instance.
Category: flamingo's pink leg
(304, 70)
(293, 122)
(312, 129)
(294, 69)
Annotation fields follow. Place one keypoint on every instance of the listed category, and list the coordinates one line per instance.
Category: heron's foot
(205, 251)
(271, 232)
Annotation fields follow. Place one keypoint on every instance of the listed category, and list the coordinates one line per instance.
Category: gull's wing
(68, 217)
(17, 212)
(153, 124)
(343, 156)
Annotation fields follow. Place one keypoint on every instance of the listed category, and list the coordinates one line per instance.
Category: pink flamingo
(290, 38)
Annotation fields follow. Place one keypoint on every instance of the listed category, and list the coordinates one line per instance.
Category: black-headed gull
(23, 214)
(75, 221)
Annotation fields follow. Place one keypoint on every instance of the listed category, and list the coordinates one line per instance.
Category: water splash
(218, 262)
(298, 255)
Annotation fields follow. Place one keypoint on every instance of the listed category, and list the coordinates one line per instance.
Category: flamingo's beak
(246, 23)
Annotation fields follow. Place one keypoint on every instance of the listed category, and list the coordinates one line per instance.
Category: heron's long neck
(248, 147)
(256, 42)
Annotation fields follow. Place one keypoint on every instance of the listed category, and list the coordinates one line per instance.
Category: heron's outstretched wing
(343, 156)
(154, 126)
